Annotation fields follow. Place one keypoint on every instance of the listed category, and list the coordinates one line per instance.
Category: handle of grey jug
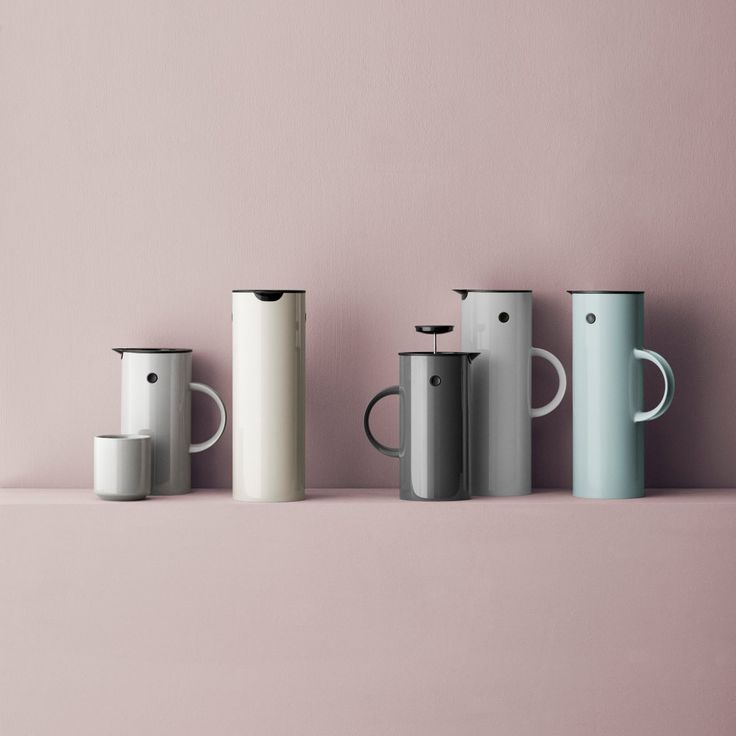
(205, 389)
(390, 451)
(669, 385)
(561, 383)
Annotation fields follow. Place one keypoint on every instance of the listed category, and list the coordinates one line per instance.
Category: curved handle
(390, 451)
(669, 385)
(205, 389)
(561, 384)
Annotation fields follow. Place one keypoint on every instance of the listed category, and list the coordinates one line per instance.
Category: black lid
(269, 295)
(151, 350)
(430, 354)
(575, 291)
(269, 291)
(464, 292)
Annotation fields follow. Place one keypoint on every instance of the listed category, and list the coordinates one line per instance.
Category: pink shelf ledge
(356, 613)
(321, 496)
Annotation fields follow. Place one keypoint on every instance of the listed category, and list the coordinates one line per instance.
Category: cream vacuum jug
(268, 395)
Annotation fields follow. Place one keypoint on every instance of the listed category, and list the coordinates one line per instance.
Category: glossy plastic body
(433, 421)
(156, 400)
(268, 396)
(498, 325)
(608, 412)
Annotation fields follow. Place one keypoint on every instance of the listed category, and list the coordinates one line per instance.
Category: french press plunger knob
(434, 330)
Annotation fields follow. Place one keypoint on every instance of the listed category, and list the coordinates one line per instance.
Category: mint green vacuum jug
(608, 393)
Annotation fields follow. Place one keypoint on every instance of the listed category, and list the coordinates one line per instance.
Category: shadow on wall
(213, 467)
(552, 434)
(676, 327)
(333, 391)
(674, 447)
(675, 450)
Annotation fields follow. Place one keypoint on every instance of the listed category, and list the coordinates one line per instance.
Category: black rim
(441, 355)
(152, 350)
(464, 292)
(268, 295)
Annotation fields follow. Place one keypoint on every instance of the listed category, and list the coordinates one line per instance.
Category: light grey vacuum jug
(608, 393)
(498, 324)
(433, 423)
(156, 401)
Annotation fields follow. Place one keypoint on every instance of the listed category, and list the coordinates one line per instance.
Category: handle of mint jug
(561, 383)
(669, 385)
(390, 451)
(205, 389)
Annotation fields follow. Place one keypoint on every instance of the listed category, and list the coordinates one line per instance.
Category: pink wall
(154, 156)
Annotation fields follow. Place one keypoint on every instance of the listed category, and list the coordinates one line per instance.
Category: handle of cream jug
(390, 451)
(205, 389)
(669, 385)
(561, 385)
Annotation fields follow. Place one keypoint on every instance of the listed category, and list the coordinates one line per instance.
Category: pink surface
(154, 156)
(354, 613)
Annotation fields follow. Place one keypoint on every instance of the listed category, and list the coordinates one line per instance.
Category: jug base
(121, 496)
(501, 494)
(624, 496)
(269, 500)
(411, 496)
(242, 498)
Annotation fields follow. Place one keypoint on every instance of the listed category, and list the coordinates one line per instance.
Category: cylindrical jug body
(498, 326)
(268, 395)
(156, 400)
(434, 426)
(608, 415)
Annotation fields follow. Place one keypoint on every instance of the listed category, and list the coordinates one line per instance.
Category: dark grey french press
(433, 445)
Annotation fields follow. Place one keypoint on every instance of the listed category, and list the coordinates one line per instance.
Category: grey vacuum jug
(433, 396)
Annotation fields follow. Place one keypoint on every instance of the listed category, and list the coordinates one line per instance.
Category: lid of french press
(435, 330)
